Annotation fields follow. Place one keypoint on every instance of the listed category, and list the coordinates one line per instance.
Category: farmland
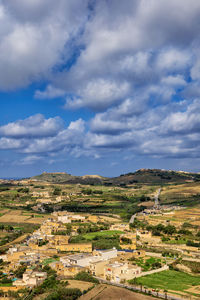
(170, 280)
(102, 292)
(172, 229)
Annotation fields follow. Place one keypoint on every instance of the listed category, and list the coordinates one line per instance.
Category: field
(81, 285)
(105, 233)
(106, 292)
(185, 194)
(18, 216)
(170, 280)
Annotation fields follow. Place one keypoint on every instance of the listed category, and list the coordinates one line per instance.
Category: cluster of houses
(68, 259)
(100, 263)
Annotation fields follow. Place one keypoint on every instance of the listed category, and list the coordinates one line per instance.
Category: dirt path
(16, 241)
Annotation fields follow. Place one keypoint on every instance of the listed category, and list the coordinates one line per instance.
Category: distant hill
(155, 176)
(146, 176)
(62, 177)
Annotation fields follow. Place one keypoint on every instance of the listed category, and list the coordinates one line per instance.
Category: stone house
(118, 272)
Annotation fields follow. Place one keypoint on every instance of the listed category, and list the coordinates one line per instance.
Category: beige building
(82, 247)
(144, 234)
(31, 278)
(128, 241)
(121, 227)
(97, 267)
(66, 270)
(119, 272)
(93, 219)
(57, 240)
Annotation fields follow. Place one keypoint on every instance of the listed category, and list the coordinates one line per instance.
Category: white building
(82, 259)
(105, 254)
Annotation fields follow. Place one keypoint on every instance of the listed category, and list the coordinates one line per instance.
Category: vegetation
(149, 264)
(170, 280)
(84, 276)
(63, 293)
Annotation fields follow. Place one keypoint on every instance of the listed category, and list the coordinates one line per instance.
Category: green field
(49, 261)
(106, 233)
(169, 280)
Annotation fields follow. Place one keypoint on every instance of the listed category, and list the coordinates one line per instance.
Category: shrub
(84, 276)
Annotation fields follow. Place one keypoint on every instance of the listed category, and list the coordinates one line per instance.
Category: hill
(62, 177)
(142, 176)
(155, 176)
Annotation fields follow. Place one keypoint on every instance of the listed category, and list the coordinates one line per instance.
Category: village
(94, 239)
(68, 259)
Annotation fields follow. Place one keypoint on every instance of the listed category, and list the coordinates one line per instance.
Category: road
(132, 219)
(156, 204)
(141, 289)
(156, 197)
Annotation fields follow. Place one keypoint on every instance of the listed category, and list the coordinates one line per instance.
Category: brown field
(36, 220)
(13, 218)
(176, 217)
(18, 216)
(107, 292)
(194, 289)
(109, 219)
(191, 215)
(81, 285)
(147, 203)
(182, 191)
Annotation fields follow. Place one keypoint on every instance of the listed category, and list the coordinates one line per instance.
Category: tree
(84, 276)
(20, 271)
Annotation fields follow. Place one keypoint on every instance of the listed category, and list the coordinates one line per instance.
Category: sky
(99, 86)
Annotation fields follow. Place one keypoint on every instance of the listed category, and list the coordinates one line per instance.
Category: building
(66, 270)
(119, 272)
(82, 259)
(128, 241)
(105, 254)
(93, 218)
(97, 267)
(64, 219)
(144, 234)
(121, 227)
(82, 247)
(57, 240)
(31, 278)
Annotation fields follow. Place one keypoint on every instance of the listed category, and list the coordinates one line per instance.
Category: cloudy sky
(99, 87)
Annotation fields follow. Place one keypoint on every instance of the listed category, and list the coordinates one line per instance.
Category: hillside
(146, 176)
(62, 177)
(155, 176)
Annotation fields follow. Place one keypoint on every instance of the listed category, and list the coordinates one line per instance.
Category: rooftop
(78, 256)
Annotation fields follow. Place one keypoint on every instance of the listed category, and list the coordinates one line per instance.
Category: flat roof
(78, 256)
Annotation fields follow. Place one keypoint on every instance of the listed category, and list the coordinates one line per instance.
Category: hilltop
(155, 176)
(62, 177)
(146, 176)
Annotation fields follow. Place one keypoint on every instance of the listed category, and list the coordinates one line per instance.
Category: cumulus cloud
(34, 126)
(49, 93)
(33, 38)
(39, 137)
(99, 94)
(135, 66)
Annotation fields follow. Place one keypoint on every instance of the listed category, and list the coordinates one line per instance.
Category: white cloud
(34, 126)
(33, 38)
(99, 94)
(131, 64)
(49, 93)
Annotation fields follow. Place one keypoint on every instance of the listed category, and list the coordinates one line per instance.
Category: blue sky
(99, 87)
